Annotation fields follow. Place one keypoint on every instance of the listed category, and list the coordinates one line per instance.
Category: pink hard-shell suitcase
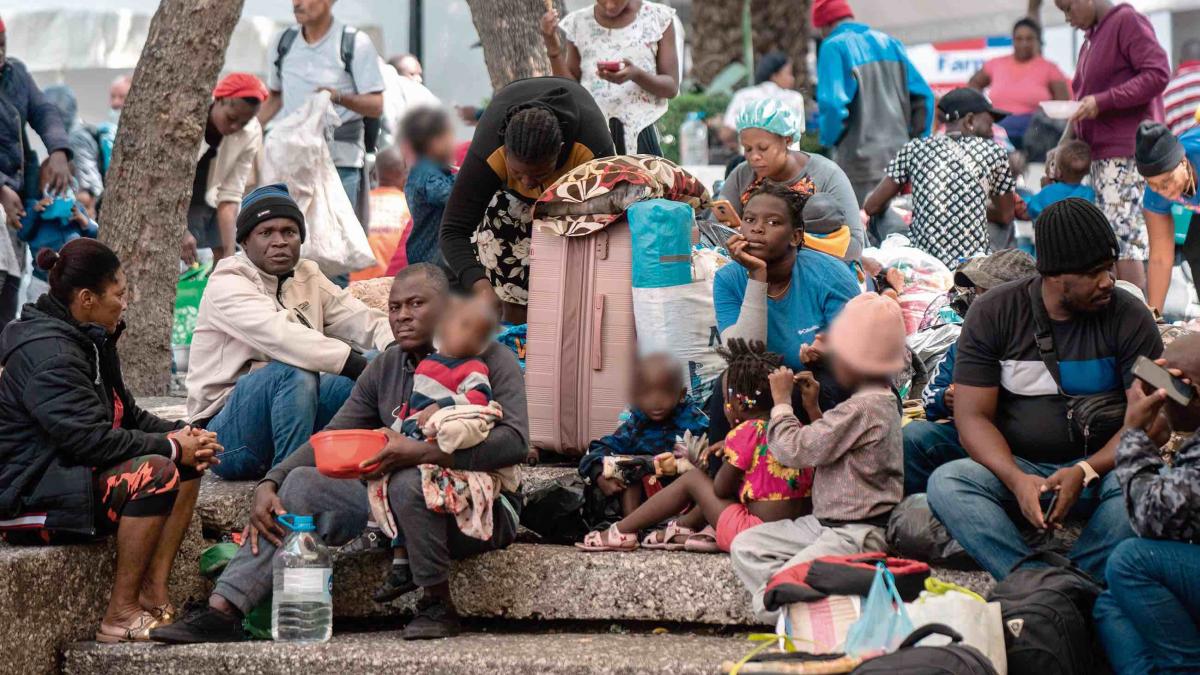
(581, 343)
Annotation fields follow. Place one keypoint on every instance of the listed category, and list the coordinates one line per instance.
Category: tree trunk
(779, 25)
(154, 164)
(511, 36)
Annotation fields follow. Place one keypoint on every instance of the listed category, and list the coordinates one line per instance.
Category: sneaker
(367, 542)
(399, 582)
(435, 619)
(203, 624)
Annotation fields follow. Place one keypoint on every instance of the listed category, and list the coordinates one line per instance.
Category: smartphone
(610, 66)
(1050, 506)
(725, 213)
(1156, 376)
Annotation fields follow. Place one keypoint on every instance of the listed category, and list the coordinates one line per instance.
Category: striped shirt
(1182, 97)
(448, 381)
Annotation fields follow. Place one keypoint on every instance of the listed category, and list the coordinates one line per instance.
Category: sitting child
(1072, 163)
(855, 449)
(450, 405)
(825, 227)
(751, 487)
(659, 417)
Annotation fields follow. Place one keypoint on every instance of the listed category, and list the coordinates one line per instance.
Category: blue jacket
(640, 436)
(871, 99)
(21, 103)
(427, 191)
(934, 395)
(51, 233)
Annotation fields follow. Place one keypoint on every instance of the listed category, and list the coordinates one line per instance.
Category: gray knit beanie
(1073, 236)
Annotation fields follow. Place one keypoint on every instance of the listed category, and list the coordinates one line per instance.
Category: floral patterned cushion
(595, 194)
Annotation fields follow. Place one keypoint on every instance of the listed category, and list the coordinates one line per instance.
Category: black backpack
(912, 659)
(371, 125)
(1048, 617)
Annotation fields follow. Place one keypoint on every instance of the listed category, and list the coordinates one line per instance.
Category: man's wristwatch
(1089, 474)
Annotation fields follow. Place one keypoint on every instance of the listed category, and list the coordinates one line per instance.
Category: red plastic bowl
(339, 453)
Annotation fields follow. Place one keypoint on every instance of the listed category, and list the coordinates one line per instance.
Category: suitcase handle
(597, 332)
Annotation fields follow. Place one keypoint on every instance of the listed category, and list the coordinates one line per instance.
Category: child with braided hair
(751, 487)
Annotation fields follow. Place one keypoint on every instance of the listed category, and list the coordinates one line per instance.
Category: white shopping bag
(979, 622)
(296, 152)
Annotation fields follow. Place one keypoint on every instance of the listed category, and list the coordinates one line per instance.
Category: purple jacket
(1124, 67)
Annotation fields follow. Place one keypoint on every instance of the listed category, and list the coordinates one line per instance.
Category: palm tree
(717, 35)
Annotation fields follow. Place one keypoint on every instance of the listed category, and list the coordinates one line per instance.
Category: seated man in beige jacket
(277, 346)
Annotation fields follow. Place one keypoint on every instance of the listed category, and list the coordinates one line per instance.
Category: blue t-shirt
(1056, 192)
(1156, 203)
(821, 285)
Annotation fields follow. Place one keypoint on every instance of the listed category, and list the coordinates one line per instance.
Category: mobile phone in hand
(1157, 377)
(725, 213)
(1050, 507)
(610, 66)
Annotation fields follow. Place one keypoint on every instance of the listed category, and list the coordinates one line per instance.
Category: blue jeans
(978, 510)
(1149, 618)
(271, 412)
(928, 445)
(352, 184)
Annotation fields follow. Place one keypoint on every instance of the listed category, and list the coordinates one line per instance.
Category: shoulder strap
(285, 45)
(1043, 335)
(349, 34)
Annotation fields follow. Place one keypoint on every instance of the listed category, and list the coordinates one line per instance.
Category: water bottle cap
(297, 523)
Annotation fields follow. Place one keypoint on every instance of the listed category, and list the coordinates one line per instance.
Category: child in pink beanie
(855, 447)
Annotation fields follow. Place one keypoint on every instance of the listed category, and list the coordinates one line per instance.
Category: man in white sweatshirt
(277, 346)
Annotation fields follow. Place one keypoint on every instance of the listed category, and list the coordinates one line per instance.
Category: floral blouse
(638, 42)
(766, 479)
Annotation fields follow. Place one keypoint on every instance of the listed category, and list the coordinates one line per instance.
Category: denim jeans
(1149, 618)
(928, 445)
(271, 412)
(352, 184)
(979, 511)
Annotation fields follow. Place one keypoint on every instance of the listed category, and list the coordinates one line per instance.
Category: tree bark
(511, 36)
(154, 163)
(779, 25)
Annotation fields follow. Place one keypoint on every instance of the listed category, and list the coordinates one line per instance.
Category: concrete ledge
(54, 595)
(499, 654)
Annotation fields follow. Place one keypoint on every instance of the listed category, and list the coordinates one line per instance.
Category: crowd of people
(806, 448)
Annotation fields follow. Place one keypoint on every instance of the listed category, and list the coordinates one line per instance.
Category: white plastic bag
(979, 622)
(925, 277)
(296, 152)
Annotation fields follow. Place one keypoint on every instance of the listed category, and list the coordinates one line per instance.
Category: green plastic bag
(188, 293)
(213, 561)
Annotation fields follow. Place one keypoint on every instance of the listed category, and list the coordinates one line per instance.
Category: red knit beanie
(2, 29)
(826, 12)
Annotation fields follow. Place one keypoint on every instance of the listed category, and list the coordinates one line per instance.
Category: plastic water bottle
(693, 140)
(302, 605)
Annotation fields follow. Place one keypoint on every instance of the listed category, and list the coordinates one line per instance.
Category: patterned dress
(766, 479)
(635, 107)
(952, 177)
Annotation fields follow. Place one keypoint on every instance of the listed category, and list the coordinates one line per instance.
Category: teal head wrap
(771, 115)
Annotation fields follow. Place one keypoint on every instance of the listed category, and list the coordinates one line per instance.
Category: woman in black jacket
(78, 458)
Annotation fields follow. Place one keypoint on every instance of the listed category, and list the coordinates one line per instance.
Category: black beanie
(1158, 151)
(1073, 236)
(265, 203)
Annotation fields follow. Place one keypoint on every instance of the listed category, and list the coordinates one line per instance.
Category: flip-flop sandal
(611, 539)
(704, 541)
(137, 631)
(664, 539)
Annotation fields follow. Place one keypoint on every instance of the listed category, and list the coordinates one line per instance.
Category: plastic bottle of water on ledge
(302, 604)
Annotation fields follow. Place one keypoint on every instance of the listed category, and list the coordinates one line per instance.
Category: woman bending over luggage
(534, 131)
(751, 487)
(78, 458)
(779, 292)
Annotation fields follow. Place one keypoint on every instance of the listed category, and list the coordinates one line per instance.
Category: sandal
(137, 631)
(704, 541)
(164, 614)
(664, 540)
(611, 539)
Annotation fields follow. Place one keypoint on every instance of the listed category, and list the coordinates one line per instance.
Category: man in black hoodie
(534, 131)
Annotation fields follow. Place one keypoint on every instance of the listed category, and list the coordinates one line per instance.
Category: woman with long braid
(533, 132)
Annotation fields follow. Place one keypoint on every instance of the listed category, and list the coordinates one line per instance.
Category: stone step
(574, 653)
(54, 595)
